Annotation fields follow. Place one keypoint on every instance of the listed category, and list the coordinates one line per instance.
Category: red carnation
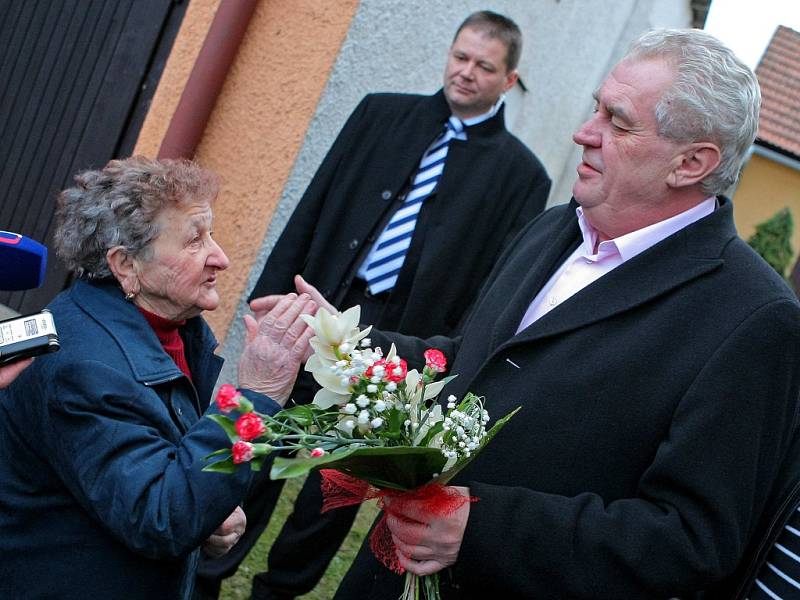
(435, 360)
(396, 371)
(371, 370)
(249, 426)
(391, 371)
(242, 452)
(228, 398)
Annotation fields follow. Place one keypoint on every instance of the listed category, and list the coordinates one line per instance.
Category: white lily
(334, 330)
(325, 398)
(434, 416)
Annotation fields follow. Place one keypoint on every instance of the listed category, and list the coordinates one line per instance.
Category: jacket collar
(683, 256)
(104, 302)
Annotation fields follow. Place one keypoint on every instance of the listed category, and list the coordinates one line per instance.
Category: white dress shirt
(585, 265)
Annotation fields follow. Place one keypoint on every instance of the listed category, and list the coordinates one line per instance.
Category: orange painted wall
(259, 121)
(764, 189)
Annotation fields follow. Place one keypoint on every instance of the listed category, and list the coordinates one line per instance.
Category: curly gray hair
(715, 97)
(118, 206)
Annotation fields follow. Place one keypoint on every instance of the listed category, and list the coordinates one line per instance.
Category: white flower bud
(376, 422)
(391, 386)
(372, 388)
(366, 343)
(380, 406)
(349, 408)
(363, 417)
(362, 401)
(407, 422)
(348, 425)
(451, 398)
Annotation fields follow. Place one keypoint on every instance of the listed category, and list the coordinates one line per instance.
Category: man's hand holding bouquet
(377, 431)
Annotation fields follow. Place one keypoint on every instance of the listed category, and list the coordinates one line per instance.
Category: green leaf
(222, 466)
(433, 431)
(227, 424)
(396, 467)
(303, 415)
(220, 452)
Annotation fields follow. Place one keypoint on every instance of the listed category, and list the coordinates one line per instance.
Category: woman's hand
(9, 373)
(277, 343)
(261, 306)
(227, 534)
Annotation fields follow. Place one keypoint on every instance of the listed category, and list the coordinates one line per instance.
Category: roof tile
(778, 74)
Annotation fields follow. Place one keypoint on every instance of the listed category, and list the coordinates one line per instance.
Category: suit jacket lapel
(546, 258)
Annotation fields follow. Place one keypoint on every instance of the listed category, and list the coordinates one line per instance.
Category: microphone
(22, 262)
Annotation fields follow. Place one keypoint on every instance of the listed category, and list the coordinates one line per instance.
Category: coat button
(386, 194)
(353, 244)
(327, 293)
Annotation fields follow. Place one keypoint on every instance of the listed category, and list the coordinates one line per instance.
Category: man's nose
(587, 134)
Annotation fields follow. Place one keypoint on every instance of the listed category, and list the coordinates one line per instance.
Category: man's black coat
(492, 186)
(658, 404)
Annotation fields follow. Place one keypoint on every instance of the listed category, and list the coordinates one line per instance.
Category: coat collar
(683, 256)
(104, 302)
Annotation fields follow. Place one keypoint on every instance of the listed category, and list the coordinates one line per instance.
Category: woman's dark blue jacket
(101, 446)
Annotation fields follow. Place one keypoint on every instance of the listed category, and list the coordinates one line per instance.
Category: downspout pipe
(207, 78)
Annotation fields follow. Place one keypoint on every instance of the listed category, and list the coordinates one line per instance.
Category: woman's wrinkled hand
(277, 343)
(261, 306)
(225, 537)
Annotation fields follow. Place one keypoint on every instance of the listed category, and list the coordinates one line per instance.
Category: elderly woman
(102, 493)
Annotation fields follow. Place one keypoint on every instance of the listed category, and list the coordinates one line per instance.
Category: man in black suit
(653, 353)
(487, 186)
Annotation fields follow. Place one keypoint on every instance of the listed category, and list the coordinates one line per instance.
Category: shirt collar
(634, 243)
(487, 115)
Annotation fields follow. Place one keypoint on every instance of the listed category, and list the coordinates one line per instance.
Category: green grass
(238, 586)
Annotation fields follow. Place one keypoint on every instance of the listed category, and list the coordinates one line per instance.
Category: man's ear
(511, 79)
(123, 267)
(694, 164)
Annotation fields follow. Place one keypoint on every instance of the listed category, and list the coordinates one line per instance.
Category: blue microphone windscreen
(22, 262)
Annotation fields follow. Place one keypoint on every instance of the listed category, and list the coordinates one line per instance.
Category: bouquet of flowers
(375, 425)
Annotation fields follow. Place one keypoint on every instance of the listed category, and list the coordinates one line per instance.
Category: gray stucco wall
(401, 45)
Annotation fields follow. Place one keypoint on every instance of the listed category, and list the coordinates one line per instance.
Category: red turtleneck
(167, 333)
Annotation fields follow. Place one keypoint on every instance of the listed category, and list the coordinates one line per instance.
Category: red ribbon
(340, 489)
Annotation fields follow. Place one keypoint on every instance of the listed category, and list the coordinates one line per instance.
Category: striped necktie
(389, 252)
